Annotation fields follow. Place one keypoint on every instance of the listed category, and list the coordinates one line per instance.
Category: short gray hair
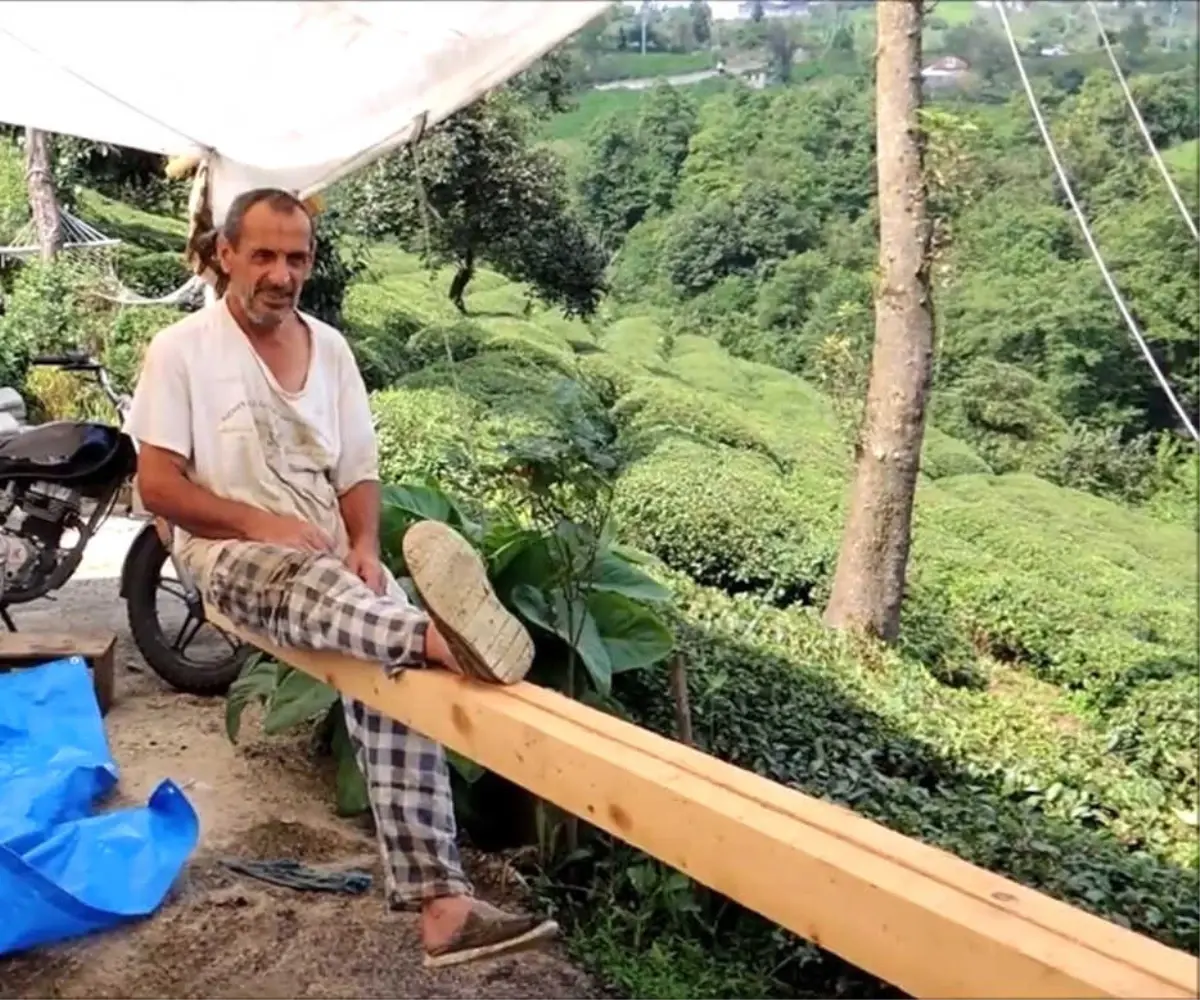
(275, 198)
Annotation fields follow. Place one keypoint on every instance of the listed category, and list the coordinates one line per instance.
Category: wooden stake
(683, 708)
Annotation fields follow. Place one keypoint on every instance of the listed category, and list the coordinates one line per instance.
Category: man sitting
(256, 442)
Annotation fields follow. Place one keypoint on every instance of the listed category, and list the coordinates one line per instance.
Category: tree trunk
(458, 287)
(43, 202)
(868, 587)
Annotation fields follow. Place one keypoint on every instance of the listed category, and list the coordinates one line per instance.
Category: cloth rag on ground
(63, 871)
(294, 875)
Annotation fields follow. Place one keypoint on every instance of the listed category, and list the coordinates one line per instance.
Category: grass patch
(119, 221)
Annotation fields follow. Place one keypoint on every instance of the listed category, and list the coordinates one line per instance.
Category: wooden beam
(1176, 967)
(27, 649)
(916, 917)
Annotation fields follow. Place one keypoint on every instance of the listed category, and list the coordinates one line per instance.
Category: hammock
(77, 235)
(92, 248)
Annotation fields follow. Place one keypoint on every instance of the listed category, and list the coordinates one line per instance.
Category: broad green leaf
(534, 605)
(422, 503)
(512, 547)
(352, 798)
(612, 573)
(633, 635)
(467, 769)
(298, 698)
(531, 563)
(256, 683)
(631, 554)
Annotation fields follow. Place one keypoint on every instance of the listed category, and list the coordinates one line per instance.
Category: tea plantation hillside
(1038, 718)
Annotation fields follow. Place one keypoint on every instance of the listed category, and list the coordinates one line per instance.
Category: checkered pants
(314, 602)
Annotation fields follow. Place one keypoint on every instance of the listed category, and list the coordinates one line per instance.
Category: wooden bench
(917, 917)
(28, 649)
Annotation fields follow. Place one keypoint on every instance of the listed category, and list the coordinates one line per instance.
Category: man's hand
(289, 533)
(363, 562)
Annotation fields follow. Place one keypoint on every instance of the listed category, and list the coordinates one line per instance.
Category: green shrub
(45, 313)
(126, 342)
(460, 340)
(14, 202)
(942, 455)
(725, 517)
(151, 274)
(653, 406)
(433, 432)
(1155, 729)
(1005, 413)
(1001, 778)
(507, 384)
(610, 376)
(1086, 594)
(378, 330)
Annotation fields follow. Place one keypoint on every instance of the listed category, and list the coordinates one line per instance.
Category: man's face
(268, 267)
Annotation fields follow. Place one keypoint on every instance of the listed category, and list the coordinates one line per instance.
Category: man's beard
(268, 317)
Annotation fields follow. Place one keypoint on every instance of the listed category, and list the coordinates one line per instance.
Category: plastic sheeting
(63, 871)
(286, 93)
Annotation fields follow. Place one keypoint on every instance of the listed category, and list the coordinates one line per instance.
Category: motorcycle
(69, 477)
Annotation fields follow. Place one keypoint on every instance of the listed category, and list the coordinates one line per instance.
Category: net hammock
(91, 258)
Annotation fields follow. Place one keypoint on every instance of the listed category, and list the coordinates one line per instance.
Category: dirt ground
(223, 935)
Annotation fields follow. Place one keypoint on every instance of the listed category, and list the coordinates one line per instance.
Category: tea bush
(723, 516)
(150, 274)
(1002, 777)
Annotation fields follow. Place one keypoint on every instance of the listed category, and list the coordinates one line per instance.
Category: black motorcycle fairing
(74, 453)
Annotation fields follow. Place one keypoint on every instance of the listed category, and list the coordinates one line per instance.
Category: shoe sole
(542, 934)
(487, 640)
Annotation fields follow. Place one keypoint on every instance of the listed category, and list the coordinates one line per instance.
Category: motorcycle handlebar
(77, 361)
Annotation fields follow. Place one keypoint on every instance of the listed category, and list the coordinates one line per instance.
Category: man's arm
(168, 493)
(356, 477)
(360, 512)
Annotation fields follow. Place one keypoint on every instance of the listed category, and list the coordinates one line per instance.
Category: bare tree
(43, 202)
(868, 587)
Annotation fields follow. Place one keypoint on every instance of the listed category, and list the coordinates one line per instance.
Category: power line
(1162, 167)
(1087, 232)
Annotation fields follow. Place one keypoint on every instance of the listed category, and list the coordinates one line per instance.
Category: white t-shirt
(204, 393)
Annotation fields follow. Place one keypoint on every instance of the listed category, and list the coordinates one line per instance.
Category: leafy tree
(782, 47)
(477, 189)
(340, 259)
(701, 15)
(1135, 36)
(632, 165)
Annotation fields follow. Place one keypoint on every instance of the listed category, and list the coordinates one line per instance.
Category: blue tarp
(63, 871)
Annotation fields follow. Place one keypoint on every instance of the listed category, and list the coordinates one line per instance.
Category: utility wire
(1087, 232)
(1162, 167)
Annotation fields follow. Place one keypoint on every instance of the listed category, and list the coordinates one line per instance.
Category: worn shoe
(488, 641)
(490, 933)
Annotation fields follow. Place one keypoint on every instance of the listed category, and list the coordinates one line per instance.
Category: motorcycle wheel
(143, 586)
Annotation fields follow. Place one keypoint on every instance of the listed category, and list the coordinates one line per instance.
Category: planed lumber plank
(18, 649)
(922, 934)
(1176, 968)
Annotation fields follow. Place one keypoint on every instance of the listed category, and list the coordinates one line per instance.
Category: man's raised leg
(314, 602)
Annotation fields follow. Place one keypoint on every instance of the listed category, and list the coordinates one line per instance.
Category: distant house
(777, 9)
(946, 68)
(1054, 51)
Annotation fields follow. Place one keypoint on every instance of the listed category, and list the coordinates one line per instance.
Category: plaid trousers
(314, 602)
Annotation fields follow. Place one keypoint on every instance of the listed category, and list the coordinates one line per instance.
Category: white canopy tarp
(281, 93)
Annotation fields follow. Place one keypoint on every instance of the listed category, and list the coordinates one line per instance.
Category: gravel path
(225, 936)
